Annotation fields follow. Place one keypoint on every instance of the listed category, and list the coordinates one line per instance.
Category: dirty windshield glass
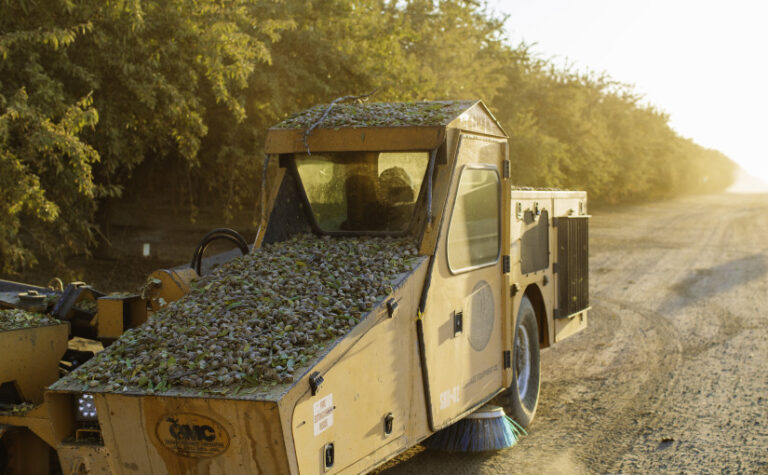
(362, 191)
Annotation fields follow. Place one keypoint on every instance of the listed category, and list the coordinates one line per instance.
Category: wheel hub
(522, 361)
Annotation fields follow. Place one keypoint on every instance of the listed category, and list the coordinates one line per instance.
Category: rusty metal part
(56, 284)
(167, 285)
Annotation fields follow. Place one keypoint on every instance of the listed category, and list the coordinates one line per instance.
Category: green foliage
(98, 96)
(45, 176)
(148, 71)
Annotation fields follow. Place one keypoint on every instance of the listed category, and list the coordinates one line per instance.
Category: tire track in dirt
(712, 420)
(650, 398)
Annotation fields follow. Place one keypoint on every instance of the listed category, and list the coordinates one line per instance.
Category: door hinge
(507, 359)
(556, 267)
(505, 264)
(315, 380)
(505, 167)
(391, 307)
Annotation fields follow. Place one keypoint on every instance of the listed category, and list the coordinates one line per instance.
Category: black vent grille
(573, 265)
(535, 243)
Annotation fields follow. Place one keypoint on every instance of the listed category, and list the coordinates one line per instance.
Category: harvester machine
(402, 283)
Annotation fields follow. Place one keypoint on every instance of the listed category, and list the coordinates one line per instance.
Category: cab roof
(379, 126)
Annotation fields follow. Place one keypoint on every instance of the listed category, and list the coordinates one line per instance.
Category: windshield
(362, 191)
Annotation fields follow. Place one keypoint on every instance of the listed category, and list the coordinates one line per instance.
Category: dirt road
(672, 374)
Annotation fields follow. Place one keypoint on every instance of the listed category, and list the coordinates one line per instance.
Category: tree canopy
(97, 95)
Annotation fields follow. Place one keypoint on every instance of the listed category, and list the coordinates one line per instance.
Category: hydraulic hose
(218, 233)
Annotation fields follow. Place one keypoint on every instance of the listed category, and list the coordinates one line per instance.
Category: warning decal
(323, 414)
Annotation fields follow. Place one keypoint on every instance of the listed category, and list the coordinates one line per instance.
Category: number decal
(449, 397)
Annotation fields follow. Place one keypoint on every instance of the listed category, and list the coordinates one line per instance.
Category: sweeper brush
(489, 428)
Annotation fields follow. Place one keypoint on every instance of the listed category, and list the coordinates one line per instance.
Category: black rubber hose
(210, 236)
(218, 233)
(199, 257)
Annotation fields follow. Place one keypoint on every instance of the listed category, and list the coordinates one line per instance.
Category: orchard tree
(97, 96)
(90, 89)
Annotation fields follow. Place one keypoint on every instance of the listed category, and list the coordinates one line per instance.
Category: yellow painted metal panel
(355, 139)
(190, 435)
(173, 285)
(35, 419)
(109, 317)
(86, 458)
(557, 204)
(565, 327)
(31, 358)
(463, 372)
(479, 120)
(364, 383)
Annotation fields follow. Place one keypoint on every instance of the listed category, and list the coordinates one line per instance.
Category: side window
(473, 234)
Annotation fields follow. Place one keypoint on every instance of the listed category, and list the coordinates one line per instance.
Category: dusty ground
(672, 374)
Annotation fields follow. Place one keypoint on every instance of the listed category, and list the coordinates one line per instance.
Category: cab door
(462, 321)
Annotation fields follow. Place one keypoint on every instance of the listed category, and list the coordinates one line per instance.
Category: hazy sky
(705, 63)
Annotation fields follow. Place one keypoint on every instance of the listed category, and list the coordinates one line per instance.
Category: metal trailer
(35, 357)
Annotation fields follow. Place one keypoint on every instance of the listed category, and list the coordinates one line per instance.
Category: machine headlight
(86, 408)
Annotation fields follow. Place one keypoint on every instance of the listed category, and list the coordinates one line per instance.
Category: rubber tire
(522, 408)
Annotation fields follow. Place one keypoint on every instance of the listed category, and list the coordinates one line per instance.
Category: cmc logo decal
(192, 435)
